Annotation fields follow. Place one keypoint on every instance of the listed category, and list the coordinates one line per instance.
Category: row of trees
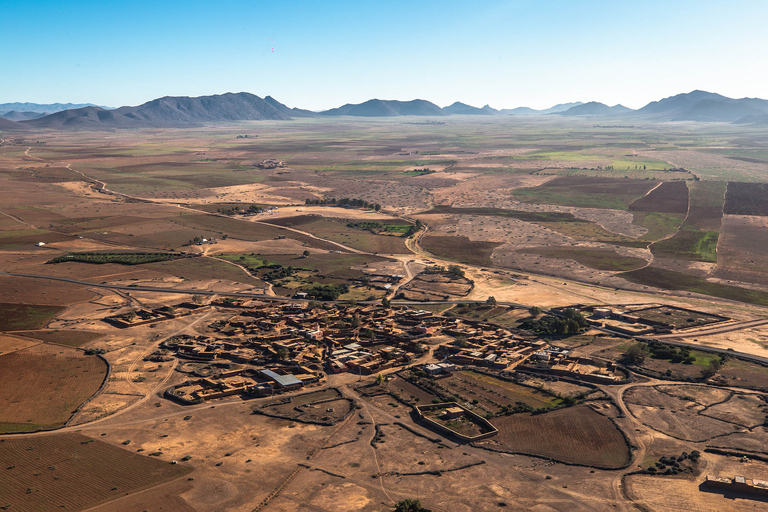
(356, 203)
(121, 258)
(236, 209)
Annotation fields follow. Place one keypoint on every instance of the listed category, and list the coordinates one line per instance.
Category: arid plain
(121, 250)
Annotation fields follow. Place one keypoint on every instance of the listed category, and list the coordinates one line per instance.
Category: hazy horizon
(320, 55)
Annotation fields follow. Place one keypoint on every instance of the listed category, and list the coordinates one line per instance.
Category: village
(266, 348)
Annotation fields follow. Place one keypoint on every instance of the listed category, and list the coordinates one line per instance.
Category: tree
(410, 505)
(385, 302)
(712, 369)
(377, 207)
(379, 379)
(534, 311)
(282, 353)
(636, 354)
(491, 301)
(305, 253)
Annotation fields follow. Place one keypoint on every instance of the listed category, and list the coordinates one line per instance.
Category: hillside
(41, 108)
(169, 111)
(459, 108)
(7, 124)
(527, 111)
(594, 108)
(703, 106)
(387, 108)
(14, 115)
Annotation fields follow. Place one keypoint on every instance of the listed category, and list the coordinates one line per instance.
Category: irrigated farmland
(44, 384)
(73, 472)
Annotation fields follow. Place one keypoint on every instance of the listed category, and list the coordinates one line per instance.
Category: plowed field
(44, 384)
(73, 472)
(577, 435)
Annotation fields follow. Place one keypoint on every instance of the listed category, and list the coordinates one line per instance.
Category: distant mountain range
(594, 108)
(184, 111)
(39, 108)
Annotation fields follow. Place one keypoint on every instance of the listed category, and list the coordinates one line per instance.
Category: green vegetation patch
(746, 199)
(377, 228)
(599, 259)
(20, 317)
(689, 243)
(587, 192)
(671, 280)
(669, 197)
(418, 172)
(694, 241)
(460, 248)
(707, 202)
(121, 258)
(659, 225)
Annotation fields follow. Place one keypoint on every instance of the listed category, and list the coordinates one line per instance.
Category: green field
(659, 225)
(19, 317)
(610, 193)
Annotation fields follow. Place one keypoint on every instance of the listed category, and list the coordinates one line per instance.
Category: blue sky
(321, 54)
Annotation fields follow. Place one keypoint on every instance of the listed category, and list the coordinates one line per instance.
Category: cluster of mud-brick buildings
(268, 347)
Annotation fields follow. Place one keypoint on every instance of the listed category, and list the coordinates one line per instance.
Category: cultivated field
(44, 385)
(74, 472)
(575, 435)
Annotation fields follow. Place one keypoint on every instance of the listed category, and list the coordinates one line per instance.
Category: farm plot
(492, 394)
(659, 225)
(460, 248)
(325, 407)
(707, 200)
(17, 317)
(746, 199)
(71, 338)
(250, 231)
(672, 280)
(669, 197)
(575, 435)
(74, 472)
(342, 231)
(689, 243)
(409, 392)
(753, 441)
(675, 416)
(599, 259)
(44, 384)
(745, 410)
(745, 374)
(704, 395)
(438, 285)
(696, 240)
(677, 318)
(743, 249)
(583, 192)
